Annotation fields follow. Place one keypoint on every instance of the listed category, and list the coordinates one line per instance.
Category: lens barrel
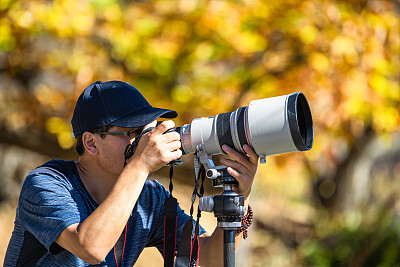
(271, 126)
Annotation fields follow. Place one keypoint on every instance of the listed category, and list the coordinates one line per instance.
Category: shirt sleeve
(46, 206)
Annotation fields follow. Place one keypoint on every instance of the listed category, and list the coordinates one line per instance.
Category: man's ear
(89, 142)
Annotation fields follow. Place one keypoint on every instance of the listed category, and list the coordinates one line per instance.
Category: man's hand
(242, 167)
(157, 148)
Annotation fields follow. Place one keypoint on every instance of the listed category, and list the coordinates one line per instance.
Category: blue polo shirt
(54, 197)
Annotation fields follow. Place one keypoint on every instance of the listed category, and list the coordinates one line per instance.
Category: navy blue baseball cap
(114, 103)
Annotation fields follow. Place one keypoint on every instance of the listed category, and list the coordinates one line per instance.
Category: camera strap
(170, 223)
(189, 248)
(130, 149)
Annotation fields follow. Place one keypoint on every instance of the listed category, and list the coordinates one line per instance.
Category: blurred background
(336, 205)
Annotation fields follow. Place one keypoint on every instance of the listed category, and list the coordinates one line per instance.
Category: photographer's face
(112, 148)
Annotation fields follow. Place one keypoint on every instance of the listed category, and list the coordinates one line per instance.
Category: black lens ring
(299, 113)
(241, 126)
(224, 130)
(179, 131)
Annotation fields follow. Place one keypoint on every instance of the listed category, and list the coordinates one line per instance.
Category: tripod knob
(206, 203)
(242, 210)
(212, 174)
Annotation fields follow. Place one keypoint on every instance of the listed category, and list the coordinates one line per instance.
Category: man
(95, 210)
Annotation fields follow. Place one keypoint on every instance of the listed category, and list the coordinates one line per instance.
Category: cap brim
(143, 117)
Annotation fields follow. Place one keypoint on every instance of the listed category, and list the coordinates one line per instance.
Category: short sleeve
(46, 206)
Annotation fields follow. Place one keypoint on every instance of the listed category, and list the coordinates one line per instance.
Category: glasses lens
(135, 132)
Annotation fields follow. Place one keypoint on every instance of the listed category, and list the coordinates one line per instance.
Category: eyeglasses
(131, 133)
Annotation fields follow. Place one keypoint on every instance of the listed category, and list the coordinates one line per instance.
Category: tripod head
(228, 207)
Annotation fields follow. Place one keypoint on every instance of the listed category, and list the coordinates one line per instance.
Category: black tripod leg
(229, 248)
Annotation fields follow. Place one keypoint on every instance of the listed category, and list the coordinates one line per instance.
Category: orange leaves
(203, 58)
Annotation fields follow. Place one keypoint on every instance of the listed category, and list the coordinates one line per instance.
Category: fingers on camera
(165, 126)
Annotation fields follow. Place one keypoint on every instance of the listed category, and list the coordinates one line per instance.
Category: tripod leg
(229, 248)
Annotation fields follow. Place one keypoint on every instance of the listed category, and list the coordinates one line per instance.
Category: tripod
(228, 207)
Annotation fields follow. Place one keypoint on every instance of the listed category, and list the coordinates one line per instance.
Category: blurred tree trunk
(40, 142)
(338, 179)
(15, 164)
